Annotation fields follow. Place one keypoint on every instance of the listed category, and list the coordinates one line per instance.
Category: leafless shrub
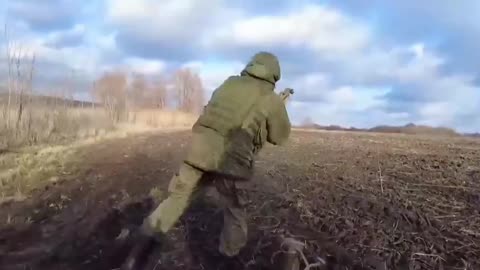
(146, 96)
(158, 94)
(189, 91)
(52, 115)
(111, 91)
(137, 92)
(16, 115)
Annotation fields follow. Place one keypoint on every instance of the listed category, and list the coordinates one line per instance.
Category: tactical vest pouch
(207, 150)
(237, 160)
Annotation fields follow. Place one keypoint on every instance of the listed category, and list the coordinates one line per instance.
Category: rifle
(285, 94)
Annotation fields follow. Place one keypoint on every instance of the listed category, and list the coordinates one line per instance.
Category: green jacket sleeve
(278, 122)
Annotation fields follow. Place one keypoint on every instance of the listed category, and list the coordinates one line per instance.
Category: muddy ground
(358, 201)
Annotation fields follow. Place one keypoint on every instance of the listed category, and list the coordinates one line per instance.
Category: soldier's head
(264, 65)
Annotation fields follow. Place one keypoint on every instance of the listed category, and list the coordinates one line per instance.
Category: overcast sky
(353, 63)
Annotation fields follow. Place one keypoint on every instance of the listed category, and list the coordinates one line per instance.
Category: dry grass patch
(23, 169)
(22, 172)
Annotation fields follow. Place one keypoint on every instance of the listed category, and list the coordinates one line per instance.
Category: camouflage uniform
(242, 115)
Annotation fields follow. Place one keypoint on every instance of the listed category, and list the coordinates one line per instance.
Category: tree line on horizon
(30, 115)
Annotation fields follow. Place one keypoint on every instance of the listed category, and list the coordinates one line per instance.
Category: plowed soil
(358, 201)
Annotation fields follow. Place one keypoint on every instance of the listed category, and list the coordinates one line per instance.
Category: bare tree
(25, 86)
(68, 89)
(158, 94)
(93, 94)
(9, 58)
(30, 94)
(189, 91)
(111, 91)
(20, 69)
(137, 91)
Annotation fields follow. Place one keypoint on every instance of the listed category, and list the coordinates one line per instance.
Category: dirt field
(358, 201)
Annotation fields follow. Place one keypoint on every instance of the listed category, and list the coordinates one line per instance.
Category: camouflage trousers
(184, 186)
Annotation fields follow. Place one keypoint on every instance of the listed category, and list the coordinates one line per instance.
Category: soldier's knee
(185, 181)
(178, 185)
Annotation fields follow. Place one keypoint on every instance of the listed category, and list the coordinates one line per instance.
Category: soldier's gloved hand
(289, 90)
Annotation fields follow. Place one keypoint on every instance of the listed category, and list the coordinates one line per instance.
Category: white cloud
(424, 76)
(317, 97)
(145, 66)
(52, 65)
(344, 95)
(437, 114)
(68, 38)
(344, 65)
(417, 76)
(105, 42)
(178, 20)
(214, 73)
(317, 27)
(460, 14)
(318, 87)
(311, 87)
(52, 14)
(332, 114)
(423, 64)
(418, 49)
(354, 56)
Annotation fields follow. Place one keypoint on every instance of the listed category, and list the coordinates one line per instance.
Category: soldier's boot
(139, 253)
(164, 217)
(234, 233)
(145, 242)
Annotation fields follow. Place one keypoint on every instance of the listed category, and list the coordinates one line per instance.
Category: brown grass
(47, 126)
(161, 119)
(21, 172)
(40, 147)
